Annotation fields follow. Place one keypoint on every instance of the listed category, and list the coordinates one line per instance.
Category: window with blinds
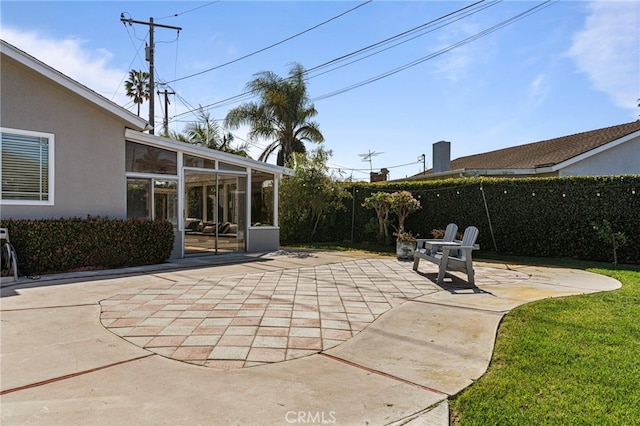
(26, 166)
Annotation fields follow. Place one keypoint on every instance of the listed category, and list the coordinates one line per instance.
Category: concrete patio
(278, 338)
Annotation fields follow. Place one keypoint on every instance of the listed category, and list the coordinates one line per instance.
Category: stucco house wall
(85, 140)
(619, 160)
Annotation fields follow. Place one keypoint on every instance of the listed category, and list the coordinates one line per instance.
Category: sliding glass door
(215, 212)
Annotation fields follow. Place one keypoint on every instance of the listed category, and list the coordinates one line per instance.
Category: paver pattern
(231, 322)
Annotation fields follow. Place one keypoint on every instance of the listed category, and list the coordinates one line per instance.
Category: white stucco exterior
(618, 160)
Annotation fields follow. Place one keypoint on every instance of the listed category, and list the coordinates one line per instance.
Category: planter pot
(405, 249)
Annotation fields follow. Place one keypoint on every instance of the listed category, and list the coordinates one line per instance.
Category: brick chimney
(379, 177)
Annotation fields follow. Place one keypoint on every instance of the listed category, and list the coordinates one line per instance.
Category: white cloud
(70, 57)
(456, 63)
(538, 90)
(607, 49)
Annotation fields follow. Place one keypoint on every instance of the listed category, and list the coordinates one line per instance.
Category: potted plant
(405, 245)
(402, 204)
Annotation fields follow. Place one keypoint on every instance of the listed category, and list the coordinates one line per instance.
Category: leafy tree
(381, 203)
(403, 204)
(400, 203)
(138, 87)
(310, 199)
(207, 132)
(282, 116)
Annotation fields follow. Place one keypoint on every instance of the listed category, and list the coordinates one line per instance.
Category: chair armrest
(473, 247)
(427, 240)
(457, 251)
(426, 243)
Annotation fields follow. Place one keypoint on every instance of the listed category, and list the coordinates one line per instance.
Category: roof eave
(161, 142)
(583, 156)
(464, 172)
(510, 172)
(439, 175)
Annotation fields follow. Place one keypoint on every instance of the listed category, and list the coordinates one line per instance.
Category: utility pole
(166, 94)
(424, 162)
(150, 58)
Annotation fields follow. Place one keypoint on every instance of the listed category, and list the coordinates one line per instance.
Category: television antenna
(368, 156)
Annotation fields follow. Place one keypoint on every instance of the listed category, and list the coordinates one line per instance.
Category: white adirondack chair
(455, 255)
(429, 246)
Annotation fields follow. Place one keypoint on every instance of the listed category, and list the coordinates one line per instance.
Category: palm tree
(137, 87)
(282, 115)
(208, 133)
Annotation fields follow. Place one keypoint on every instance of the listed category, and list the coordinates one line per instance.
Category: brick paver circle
(260, 318)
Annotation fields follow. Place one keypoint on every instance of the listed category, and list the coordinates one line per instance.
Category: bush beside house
(60, 245)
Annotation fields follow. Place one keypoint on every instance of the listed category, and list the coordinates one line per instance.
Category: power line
(272, 45)
(404, 165)
(136, 56)
(249, 94)
(403, 34)
(371, 47)
(175, 15)
(339, 167)
(467, 40)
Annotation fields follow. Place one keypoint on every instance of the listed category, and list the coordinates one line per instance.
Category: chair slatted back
(450, 232)
(468, 239)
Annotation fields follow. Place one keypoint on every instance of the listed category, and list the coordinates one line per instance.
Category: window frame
(263, 177)
(152, 179)
(51, 168)
(151, 148)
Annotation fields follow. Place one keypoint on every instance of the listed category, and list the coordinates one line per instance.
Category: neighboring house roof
(130, 119)
(543, 157)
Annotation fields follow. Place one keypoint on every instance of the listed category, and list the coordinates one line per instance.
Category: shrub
(60, 245)
(310, 199)
(438, 234)
(550, 217)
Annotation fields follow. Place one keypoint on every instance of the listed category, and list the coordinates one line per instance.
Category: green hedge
(529, 216)
(60, 245)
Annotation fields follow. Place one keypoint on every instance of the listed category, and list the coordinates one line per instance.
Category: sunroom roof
(170, 144)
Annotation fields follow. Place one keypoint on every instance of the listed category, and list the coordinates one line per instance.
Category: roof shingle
(545, 153)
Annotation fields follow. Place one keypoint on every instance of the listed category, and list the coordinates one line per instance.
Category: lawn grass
(366, 247)
(565, 361)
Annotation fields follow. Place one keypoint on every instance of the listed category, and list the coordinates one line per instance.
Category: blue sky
(572, 66)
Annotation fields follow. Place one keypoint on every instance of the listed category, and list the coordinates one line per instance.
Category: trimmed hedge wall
(60, 245)
(529, 216)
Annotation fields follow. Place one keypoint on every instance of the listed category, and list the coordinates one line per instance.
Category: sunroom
(218, 202)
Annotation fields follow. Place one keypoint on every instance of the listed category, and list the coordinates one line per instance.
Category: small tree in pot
(402, 204)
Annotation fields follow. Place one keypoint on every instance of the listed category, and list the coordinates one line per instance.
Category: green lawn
(565, 361)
